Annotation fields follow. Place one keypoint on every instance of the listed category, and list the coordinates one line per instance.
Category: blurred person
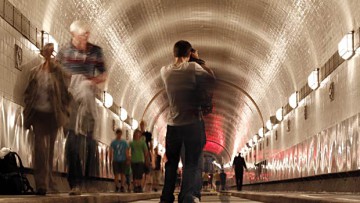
(85, 62)
(222, 179)
(147, 137)
(239, 165)
(205, 180)
(184, 122)
(119, 154)
(139, 157)
(47, 110)
(217, 180)
(157, 170)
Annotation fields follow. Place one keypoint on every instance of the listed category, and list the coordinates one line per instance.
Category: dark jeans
(239, 179)
(191, 137)
(74, 148)
(198, 174)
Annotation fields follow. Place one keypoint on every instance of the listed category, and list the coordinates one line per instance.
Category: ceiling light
(293, 101)
(279, 114)
(313, 79)
(346, 46)
(108, 100)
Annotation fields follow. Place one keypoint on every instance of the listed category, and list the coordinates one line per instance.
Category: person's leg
(41, 154)
(53, 135)
(192, 142)
(241, 180)
(173, 147)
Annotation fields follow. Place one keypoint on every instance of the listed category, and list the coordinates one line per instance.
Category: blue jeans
(191, 137)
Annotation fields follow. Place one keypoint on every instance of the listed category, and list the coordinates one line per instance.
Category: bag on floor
(12, 178)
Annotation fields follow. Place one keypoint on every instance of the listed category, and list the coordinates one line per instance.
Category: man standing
(184, 125)
(84, 61)
(239, 165)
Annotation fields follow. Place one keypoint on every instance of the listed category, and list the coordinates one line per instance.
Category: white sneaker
(75, 191)
(196, 200)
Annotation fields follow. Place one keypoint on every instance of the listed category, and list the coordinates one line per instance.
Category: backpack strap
(27, 187)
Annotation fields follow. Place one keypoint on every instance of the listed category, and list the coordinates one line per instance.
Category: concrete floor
(208, 199)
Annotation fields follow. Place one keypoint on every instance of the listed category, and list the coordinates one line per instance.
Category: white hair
(79, 27)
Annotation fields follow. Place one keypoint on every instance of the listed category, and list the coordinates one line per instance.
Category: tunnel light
(123, 114)
(134, 124)
(279, 114)
(346, 46)
(313, 79)
(269, 125)
(251, 144)
(261, 132)
(255, 139)
(108, 100)
(293, 101)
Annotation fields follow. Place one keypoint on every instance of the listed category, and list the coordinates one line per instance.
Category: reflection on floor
(213, 198)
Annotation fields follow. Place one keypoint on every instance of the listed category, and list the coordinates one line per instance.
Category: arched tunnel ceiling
(265, 47)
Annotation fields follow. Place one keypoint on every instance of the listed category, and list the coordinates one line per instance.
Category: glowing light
(279, 114)
(269, 125)
(123, 114)
(255, 139)
(293, 101)
(313, 79)
(261, 132)
(346, 46)
(134, 124)
(108, 100)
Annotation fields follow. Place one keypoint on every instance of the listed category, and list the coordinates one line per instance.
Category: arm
(100, 66)
(111, 155)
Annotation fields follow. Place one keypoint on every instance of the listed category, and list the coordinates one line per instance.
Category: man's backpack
(12, 178)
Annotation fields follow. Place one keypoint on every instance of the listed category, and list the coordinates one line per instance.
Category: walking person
(184, 125)
(147, 137)
(217, 180)
(119, 154)
(223, 179)
(46, 110)
(139, 158)
(239, 165)
(84, 61)
(157, 170)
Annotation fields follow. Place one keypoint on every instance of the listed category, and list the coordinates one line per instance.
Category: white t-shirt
(180, 84)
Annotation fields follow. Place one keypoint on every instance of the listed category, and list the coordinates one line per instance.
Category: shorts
(138, 170)
(119, 167)
(146, 169)
(217, 182)
(205, 183)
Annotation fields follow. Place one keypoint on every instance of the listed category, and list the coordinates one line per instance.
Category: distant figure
(85, 62)
(205, 179)
(46, 110)
(157, 170)
(223, 179)
(139, 157)
(217, 180)
(147, 137)
(239, 165)
(184, 124)
(119, 154)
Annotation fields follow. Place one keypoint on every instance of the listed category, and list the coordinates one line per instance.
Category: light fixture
(346, 46)
(279, 114)
(123, 114)
(269, 125)
(261, 132)
(255, 139)
(108, 100)
(134, 124)
(250, 143)
(293, 100)
(313, 79)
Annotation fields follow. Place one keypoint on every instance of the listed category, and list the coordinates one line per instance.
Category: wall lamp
(293, 100)
(123, 114)
(313, 79)
(261, 132)
(346, 46)
(269, 124)
(279, 114)
(108, 100)
(134, 124)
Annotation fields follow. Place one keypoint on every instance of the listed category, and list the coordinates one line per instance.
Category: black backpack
(12, 178)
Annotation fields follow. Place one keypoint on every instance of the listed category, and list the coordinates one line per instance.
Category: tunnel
(286, 94)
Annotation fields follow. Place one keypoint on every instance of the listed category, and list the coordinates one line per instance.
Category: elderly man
(184, 122)
(84, 61)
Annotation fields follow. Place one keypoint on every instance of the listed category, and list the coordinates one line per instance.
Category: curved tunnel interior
(265, 50)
